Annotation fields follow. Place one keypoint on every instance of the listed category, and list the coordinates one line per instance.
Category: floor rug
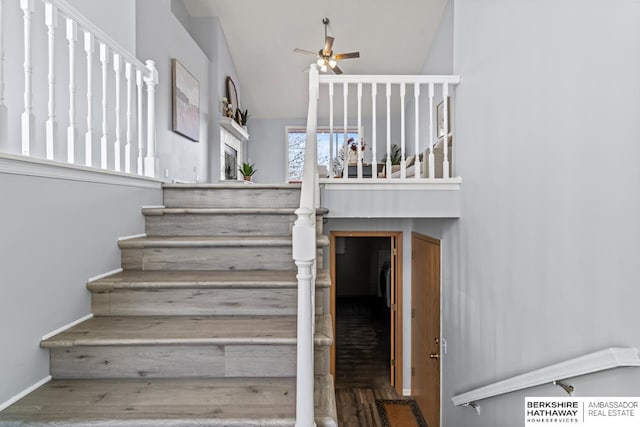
(400, 413)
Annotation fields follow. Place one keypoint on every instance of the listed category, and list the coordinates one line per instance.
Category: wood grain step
(170, 347)
(211, 253)
(200, 293)
(231, 196)
(222, 221)
(249, 402)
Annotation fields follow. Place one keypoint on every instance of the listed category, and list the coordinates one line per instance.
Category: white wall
(161, 37)
(55, 235)
(546, 134)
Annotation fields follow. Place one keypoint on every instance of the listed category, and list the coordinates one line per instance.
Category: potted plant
(247, 170)
(395, 156)
(244, 116)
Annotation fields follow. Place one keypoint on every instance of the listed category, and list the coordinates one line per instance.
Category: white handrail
(392, 79)
(609, 358)
(304, 255)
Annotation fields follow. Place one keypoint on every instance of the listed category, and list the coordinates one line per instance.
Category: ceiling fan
(326, 57)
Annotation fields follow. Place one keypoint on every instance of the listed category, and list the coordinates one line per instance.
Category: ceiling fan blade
(306, 52)
(340, 56)
(328, 45)
(336, 69)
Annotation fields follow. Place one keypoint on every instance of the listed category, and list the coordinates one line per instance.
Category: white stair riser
(232, 198)
(173, 361)
(198, 302)
(210, 258)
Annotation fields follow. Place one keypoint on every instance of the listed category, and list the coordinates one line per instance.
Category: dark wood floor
(362, 361)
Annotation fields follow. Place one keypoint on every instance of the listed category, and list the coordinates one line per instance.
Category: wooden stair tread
(214, 402)
(136, 279)
(211, 241)
(238, 186)
(187, 330)
(224, 211)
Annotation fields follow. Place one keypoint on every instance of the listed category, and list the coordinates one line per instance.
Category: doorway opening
(366, 308)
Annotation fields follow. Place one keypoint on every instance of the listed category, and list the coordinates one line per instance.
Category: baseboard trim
(103, 275)
(23, 393)
(406, 392)
(67, 326)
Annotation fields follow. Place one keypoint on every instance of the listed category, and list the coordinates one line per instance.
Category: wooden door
(425, 326)
(393, 357)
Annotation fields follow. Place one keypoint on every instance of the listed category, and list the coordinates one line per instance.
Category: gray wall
(161, 37)
(546, 134)
(55, 235)
(208, 33)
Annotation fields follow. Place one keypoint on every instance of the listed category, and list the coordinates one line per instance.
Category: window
(296, 139)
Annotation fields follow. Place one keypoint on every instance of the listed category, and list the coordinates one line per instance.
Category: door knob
(434, 356)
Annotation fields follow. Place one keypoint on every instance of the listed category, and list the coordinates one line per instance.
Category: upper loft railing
(412, 139)
(121, 123)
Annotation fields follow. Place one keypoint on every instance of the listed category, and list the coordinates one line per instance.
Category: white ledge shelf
(234, 128)
(590, 363)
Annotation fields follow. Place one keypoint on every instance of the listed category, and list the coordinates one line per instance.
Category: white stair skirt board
(25, 392)
(133, 236)
(103, 275)
(67, 326)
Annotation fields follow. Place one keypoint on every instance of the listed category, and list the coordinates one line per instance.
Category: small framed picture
(186, 102)
(440, 118)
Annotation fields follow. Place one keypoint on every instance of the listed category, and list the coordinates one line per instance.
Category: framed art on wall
(185, 102)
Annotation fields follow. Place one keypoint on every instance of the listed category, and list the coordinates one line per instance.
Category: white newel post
(331, 143)
(117, 63)
(72, 37)
(304, 255)
(374, 150)
(104, 60)
(128, 74)
(403, 154)
(88, 138)
(416, 99)
(388, 165)
(140, 118)
(151, 80)
(445, 142)
(27, 121)
(345, 93)
(432, 162)
(360, 136)
(51, 21)
(3, 106)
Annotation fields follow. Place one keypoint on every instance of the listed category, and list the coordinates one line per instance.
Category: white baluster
(416, 100)
(432, 162)
(117, 63)
(72, 37)
(445, 142)
(140, 123)
(151, 80)
(403, 155)
(27, 120)
(331, 162)
(388, 168)
(104, 60)
(3, 107)
(128, 73)
(360, 136)
(374, 153)
(88, 138)
(345, 95)
(51, 21)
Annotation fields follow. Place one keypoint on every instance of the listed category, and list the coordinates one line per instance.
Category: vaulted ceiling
(393, 37)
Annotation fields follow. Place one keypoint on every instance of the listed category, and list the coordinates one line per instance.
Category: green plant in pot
(396, 155)
(244, 116)
(247, 170)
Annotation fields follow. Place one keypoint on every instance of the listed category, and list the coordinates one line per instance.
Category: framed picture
(185, 102)
(440, 118)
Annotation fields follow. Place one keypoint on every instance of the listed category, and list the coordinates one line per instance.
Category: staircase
(199, 329)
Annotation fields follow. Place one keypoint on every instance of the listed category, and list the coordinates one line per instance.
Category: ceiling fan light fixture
(332, 62)
(323, 68)
(320, 62)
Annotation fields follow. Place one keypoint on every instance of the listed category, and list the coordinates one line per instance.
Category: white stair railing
(437, 89)
(304, 255)
(111, 148)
